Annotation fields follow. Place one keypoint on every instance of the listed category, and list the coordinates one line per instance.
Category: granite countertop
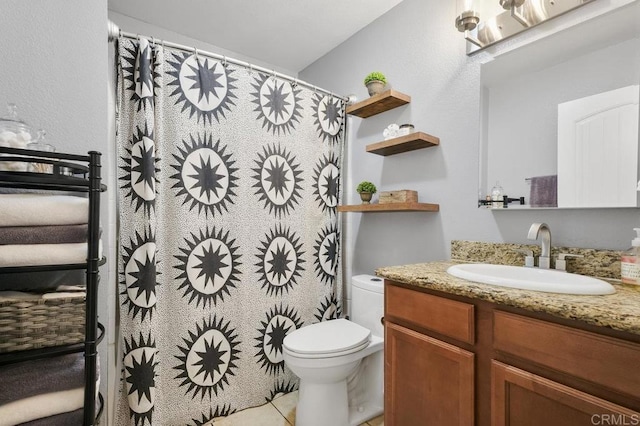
(619, 311)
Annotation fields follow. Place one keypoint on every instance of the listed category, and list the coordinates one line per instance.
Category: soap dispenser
(630, 263)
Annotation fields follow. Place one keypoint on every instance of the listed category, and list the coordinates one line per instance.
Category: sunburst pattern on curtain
(228, 188)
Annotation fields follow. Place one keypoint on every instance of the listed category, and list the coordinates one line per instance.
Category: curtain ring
(250, 68)
(195, 51)
(295, 82)
(224, 61)
(273, 75)
(153, 41)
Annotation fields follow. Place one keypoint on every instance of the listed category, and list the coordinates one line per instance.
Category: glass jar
(405, 129)
(40, 144)
(14, 133)
(497, 196)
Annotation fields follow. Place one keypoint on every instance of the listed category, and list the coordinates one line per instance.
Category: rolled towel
(44, 254)
(48, 234)
(544, 191)
(42, 209)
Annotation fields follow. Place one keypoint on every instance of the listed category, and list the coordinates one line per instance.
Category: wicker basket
(29, 321)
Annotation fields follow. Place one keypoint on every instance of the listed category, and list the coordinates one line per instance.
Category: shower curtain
(228, 185)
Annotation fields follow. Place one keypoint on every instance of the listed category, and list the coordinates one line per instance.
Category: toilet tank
(367, 302)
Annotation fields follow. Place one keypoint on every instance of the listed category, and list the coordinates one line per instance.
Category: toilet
(340, 362)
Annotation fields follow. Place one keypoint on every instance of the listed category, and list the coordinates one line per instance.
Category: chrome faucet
(545, 242)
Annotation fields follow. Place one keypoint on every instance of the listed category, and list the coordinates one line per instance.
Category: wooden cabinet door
(520, 398)
(427, 382)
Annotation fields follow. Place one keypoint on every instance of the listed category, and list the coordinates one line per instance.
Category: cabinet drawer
(519, 397)
(447, 317)
(599, 359)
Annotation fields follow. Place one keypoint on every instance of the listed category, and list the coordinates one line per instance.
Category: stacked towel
(44, 254)
(46, 234)
(42, 209)
(42, 389)
(544, 191)
(42, 229)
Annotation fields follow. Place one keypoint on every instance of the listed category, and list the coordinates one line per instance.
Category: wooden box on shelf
(399, 196)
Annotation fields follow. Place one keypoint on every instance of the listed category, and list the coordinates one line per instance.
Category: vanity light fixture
(486, 22)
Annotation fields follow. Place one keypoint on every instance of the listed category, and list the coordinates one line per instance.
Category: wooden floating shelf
(390, 207)
(410, 142)
(376, 104)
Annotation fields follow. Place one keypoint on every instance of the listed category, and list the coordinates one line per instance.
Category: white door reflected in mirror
(602, 131)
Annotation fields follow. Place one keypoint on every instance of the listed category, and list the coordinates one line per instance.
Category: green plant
(376, 75)
(365, 186)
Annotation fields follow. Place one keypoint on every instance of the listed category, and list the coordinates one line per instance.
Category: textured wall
(133, 25)
(54, 67)
(417, 46)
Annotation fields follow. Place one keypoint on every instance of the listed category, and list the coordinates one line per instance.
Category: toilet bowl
(340, 362)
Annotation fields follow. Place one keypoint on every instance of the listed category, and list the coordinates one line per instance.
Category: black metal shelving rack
(78, 173)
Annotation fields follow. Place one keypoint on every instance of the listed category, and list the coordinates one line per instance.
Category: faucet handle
(561, 263)
(528, 257)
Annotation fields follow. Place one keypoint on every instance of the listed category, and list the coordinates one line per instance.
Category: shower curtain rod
(115, 32)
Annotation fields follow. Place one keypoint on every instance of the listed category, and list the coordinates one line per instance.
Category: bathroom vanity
(462, 353)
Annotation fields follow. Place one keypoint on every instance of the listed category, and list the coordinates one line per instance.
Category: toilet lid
(327, 337)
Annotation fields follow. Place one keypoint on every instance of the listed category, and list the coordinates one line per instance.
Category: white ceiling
(290, 34)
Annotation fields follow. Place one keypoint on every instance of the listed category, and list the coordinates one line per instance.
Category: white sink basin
(531, 279)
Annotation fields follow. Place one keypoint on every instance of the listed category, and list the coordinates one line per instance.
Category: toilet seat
(327, 339)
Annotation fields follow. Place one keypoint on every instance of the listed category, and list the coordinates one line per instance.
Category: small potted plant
(375, 82)
(366, 191)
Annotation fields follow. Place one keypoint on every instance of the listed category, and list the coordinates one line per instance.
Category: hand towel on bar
(544, 191)
(42, 209)
(47, 234)
(44, 254)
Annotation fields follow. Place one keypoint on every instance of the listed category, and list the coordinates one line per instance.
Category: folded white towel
(43, 405)
(37, 407)
(44, 254)
(42, 209)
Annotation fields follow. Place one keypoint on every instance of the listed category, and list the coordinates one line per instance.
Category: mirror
(520, 96)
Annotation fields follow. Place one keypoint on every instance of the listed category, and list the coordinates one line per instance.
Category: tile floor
(279, 412)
